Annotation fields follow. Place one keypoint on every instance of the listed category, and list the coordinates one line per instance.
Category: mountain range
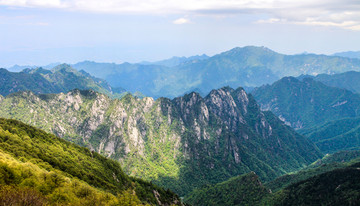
(181, 143)
(204, 141)
(247, 67)
(38, 168)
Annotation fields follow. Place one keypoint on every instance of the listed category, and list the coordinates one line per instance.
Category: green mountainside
(61, 78)
(332, 180)
(306, 103)
(180, 144)
(327, 163)
(247, 67)
(337, 135)
(327, 115)
(336, 187)
(242, 190)
(37, 168)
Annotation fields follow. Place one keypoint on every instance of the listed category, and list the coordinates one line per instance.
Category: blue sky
(39, 32)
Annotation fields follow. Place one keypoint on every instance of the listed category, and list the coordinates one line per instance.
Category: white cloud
(336, 13)
(269, 21)
(181, 21)
(34, 3)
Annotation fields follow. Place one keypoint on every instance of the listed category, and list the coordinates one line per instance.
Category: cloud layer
(336, 13)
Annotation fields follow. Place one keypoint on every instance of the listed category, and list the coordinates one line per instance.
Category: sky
(40, 32)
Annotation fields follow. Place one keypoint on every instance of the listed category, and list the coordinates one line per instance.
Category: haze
(39, 32)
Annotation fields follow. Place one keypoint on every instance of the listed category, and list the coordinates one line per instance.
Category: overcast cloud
(338, 13)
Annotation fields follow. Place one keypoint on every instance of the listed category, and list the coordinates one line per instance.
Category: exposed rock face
(180, 143)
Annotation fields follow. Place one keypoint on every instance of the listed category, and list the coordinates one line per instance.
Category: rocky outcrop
(180, 143)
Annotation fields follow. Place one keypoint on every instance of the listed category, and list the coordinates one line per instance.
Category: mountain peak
(225, 89)
(251, 49)
(64, 67)
(289, 79)
(3, 70)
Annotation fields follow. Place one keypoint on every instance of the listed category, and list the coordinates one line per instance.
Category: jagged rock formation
(181, 143)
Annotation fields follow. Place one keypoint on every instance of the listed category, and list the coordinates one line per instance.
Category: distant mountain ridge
(19, 68)
(347, 80)
(247, 67)
(175, 61)
(61, 78)
(349, 54)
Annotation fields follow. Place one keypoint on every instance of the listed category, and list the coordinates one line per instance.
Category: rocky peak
(192, 108)
(222, 104)
(148, 103)
(242, 99)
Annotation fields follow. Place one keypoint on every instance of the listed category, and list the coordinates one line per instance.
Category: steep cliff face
(181, 143)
